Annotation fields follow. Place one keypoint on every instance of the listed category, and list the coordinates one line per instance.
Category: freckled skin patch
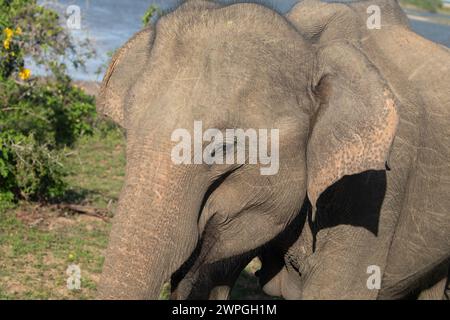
(372, 121)
(357, 156)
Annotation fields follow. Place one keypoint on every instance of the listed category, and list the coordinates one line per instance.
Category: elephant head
(230, 67)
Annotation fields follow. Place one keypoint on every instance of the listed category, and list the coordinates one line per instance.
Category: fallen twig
(90, 211)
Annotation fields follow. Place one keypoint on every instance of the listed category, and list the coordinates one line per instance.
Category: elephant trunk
(155, 227)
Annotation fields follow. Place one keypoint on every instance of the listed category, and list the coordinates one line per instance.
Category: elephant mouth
(204, 215)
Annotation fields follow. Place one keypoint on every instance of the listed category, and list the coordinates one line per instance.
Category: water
(111, 22)
(435, 32)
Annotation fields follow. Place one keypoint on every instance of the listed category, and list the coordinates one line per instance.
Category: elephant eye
(223, 148)
(219, 148)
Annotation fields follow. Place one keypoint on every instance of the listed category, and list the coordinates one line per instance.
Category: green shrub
(39, 117)
(429, 5)
(56, 113)
(153, 11)
(28, 169)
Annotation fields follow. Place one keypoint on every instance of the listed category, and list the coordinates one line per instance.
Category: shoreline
(441, 21)
(444, 11)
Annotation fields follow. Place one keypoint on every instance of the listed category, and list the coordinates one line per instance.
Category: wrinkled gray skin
(245, 66)
(411, 243)
(322, 23)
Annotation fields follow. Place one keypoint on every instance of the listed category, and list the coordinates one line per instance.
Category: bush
(56, 113)
(153, 11)
(39, 117)
(429, 5)
(28, 169)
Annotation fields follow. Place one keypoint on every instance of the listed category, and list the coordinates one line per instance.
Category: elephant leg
(279, 275)
(224, 276)
(213, 281)
(202, 279)
(283, 284)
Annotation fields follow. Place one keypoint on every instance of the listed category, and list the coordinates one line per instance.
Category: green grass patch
(97, 169)
(38, 243)
(35, 260)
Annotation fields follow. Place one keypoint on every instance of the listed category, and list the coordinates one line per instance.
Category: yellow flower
(24, 74)
(18, 31)
(9, 33)
(6, 44)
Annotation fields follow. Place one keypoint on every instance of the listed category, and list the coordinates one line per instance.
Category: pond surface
(109, 23)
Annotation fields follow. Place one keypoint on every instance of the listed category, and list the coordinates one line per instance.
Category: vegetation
(39, 117)
(38, 242)
(428, 5)
(153, 11)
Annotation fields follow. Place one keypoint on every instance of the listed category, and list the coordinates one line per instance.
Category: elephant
(350, 130)
(412, 245)
(311, 17)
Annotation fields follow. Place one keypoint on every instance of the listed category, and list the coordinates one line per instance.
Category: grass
(39, 242)
(97, 169)
(35, 258)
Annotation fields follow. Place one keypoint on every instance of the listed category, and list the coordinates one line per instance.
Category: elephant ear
(355, 122)
(125, 68)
